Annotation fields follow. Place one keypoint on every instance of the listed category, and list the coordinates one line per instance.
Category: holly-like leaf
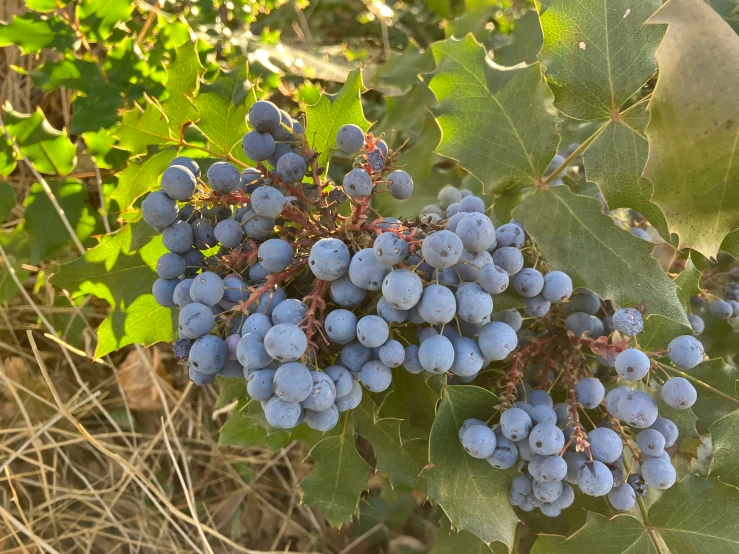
(494, 120)
(615, 160)
(332, 111)
(400, 458)
(685, 518)
(710, 407)
(182, 85)
(618, 535)
(223, 105)
(243, 431)
(525, 41)
(725, 442)
(32, 31)
(49, 150)
(688, 282)
(140, 177)
(694, 127)
(43, 225)
(141, 128)
(116, 273)
(98, 17)
(472, 493)
(576, 237)
(597, 53)
(731, 244)
(660, 331)
(448, 540)
(339, 476)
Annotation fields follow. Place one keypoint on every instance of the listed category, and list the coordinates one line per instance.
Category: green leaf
(182, 84)
(122, 276)
(43, 224)
(141, 128)
(8, 288)
(229, 390)
(31, 32)
(597, 53)
(685, 518)
(339, 476)
(463, 542)
(49, 150)
(98, 17)
(494, 120)
(401, 459)
(710, 407)
(725, 442)
(694, 127)
(617, 535)
(688, 282)
(615, 160)
(576, 237)
(243, 431)
(332, 111)
(472, 493)
(223, 105)
(7, 200)
(411, 398)
(45, 5)
(141, 177)
(525, 41)
(660, 331)
(731, 244)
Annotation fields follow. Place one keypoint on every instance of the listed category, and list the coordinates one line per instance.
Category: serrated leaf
(725, 442)
(223, 105)
(494, 120)
(694, 127)
(471, 492)
(243, 431)
(614, 161)
(597, 53)
(710, 407)
(685, 518)
(332, 111)
(411, 398)
(182, 84)
(229, 390)
(141, 128)
(339, 476)
(43, 224)
(688, 282)
(122, 276)
(525, 41)
(730, 245)
(7, 200)
(576, 237)
(32, 32)
(463, 542)
(49, 150)
(617, 535)
(141, 177)
(98, 17)
(401, 459)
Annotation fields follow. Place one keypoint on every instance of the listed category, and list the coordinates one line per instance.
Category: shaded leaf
(242, 430)
(725, 441)
(694, 127)
(141, 128)
(31, 32)
(660, 331)
(472, 493)
(710, 406)
(614, 161)
(339, 476)
(49, 150)
(688, 282)
(141, 177)
(43, 224)
(7, 200)
(494, 120)
(332, 111)
(401, 459)
(597, 53)
(223, 106)
(526, 41)
(576, 237)
(731, 244)
(116, 273)
(620, 534)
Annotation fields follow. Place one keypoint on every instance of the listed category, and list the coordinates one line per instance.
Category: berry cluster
(550, 440)
(726, 308)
